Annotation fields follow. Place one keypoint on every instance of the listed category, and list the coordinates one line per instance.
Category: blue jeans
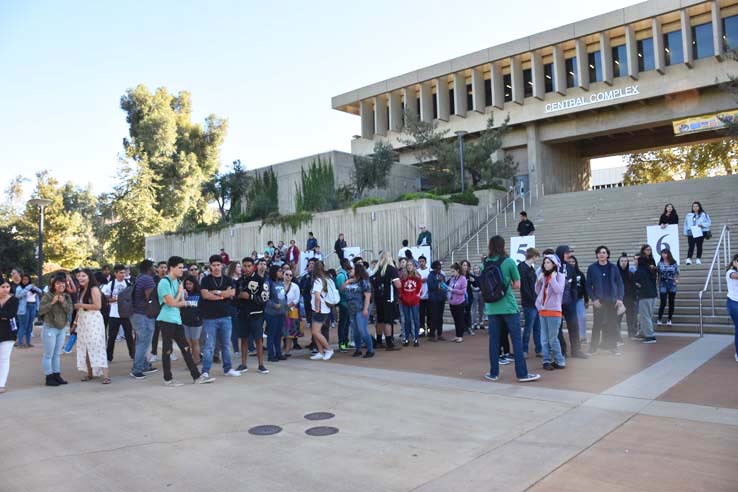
(411, 321)
(275, 325)
(532, 324)
(733, 311)
(53, 341)
(550, 340)
(512, 322)
(143, 326)
(582, 319)
(360, 329)
(25, 323)
(221, 329)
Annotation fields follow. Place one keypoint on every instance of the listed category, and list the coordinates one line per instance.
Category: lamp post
(41, 203)
(461, 134)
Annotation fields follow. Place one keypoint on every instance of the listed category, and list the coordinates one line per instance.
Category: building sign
(704, 123)
(594, 98)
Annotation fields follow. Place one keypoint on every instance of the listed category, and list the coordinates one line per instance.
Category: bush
(291, 221)
(466, 198)
(366, 202)
(422, 195)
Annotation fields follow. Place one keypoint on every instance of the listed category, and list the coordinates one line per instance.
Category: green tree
(228, 190)
(11, 206)
(372, 172)
(688, 162)
(439, 155)
(262, 195)
(318, 190)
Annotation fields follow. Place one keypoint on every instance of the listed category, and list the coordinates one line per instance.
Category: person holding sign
(424, 238)
(669, 216)
(697, 229)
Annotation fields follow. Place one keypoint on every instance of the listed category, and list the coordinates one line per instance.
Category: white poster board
(660, 239)
(518, 246)
(304, 257)
(419, 251)
(351, 252)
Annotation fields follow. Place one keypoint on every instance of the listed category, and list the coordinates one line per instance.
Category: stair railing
(722, 248)
(501, 215)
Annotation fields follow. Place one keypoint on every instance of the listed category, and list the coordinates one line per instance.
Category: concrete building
(403, 179)
(603, 86)
(611, 177)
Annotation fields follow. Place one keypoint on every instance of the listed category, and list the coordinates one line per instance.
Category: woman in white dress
(90, 328)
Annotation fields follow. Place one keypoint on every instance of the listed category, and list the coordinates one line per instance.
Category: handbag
(707, 235)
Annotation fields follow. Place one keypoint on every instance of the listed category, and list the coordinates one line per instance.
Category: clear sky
(270, 68)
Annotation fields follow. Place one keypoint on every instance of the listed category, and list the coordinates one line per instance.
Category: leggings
(662, 306)
(458, 311)
(692, 242)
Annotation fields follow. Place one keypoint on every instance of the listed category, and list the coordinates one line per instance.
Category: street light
(41, 203)
(460, 134)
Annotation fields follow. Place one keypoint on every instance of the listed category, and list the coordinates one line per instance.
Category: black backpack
(491, 281)
(125, 300)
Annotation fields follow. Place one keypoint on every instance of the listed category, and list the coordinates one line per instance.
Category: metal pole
(40, 246)
(467, 250)
(513, 212)
(496, 216)
(505, 216)
(702, 329)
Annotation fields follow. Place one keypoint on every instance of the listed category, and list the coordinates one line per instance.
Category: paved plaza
(662, 417)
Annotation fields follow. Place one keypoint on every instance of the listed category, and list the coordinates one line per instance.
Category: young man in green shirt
(172, 298)
(505, 312)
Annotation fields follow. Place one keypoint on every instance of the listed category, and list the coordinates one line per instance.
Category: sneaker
(204, 379)
(236, 355)
(137, 375)
(490, 377)
(441, 338)
(658, 322)
(558, 366)
(232, 373)
(416, 343)
(649, 340)
(173, 357)
(241, 368)
(668, 323)
(471, 332)
(284, 357)
(314, 351)
(369, 355)
(262, 370)
(351, 345)
(736, 357)
(252, 353)
(688, 262)
(357, 354)
(615, 352)
(637, 337)
(529, 378)
(154, 358)
(503, 361)
(317, 356)
(272, 359)
(459, 340)
(327, 355)
(173, 383)
(548, 366)
(150, 370)
(405, 343)
(343, 348)
(698, 261)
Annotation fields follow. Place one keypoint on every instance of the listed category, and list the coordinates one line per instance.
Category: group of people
(225, 311)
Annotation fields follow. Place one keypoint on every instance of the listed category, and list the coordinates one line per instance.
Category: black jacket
(669, 219)
(525, 227)
(7, 314)
(527, 285)
(629, 288)
(580, 279)
(644, 280)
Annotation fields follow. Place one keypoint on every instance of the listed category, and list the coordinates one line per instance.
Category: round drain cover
(265, 430)
(319, 416)
(321, 431)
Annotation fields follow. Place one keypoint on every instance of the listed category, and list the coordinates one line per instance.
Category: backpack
(125, 301)
(331, 297)
(492, 282)
(153, 306)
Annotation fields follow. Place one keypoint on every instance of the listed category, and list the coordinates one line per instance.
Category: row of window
(702, 47)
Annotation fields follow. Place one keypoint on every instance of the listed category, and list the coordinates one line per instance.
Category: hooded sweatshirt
(550, 290)
(570, 290)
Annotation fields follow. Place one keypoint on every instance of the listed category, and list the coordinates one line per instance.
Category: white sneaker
(204, 379)
(153, 359)
(736, 357)
(327, 355)
(658, 322)
(317, 356)
(698, 261)
(529, 378)
(173, 356)
(173, 383)
(668, 322)
(688, 262)
(232, 373)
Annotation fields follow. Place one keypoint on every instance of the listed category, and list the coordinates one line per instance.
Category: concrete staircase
(617, 218)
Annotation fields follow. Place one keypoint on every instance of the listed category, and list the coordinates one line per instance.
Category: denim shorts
(320, 317)
(192, 332)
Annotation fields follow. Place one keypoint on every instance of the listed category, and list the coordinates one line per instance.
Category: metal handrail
(496, 218)
(724, 243)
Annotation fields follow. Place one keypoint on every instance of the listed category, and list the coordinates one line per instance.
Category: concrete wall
(372, 228)
(403, 178)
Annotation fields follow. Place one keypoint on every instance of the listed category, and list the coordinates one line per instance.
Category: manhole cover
(265, 430)
(319, 416)
(321, 431)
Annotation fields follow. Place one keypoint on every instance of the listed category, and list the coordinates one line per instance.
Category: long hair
(497, 246)
(385, 260)
(319, 273)
(673, 209)
(410, 270)
(273, 272)
(91, 282)
(730, 265)
(543, 266)
(360, 271)
(195, 284)
(231, 269)
(699, 205)
(669, 257)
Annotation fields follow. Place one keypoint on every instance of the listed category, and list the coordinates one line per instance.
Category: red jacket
(410, 291)
(293, 255)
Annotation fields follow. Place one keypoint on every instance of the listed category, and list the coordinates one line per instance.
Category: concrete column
(539, 78)
(442, 100)
(717, 29)
(559, 71)
(409, 97)
(395, 112)
(606, 58)
(631, 48)
(582, 65)
(516, 78)
(687, 38)
(367, 119)
(381, 123)
(460, 94)
(426, 102)
(536, 171)
(498, 86)
(658, 46)
(478, 90)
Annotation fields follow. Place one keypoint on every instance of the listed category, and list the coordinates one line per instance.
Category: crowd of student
(229, 308)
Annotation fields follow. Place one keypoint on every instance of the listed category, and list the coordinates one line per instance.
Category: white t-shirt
(118, 287)
(424, 288)
(318, 287)
(732, 286)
